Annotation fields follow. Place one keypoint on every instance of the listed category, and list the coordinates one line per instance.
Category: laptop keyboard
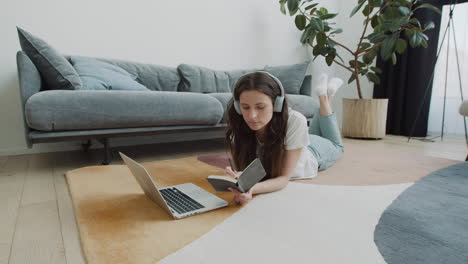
(179, 201)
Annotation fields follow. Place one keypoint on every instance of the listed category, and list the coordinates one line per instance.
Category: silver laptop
(180, 200)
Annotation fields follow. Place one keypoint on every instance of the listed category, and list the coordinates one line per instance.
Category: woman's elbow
(284, 182)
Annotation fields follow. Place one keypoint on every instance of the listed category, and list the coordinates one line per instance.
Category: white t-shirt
(297, 136)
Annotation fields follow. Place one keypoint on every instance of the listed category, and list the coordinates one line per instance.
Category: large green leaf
(429, 25)
(336, 31)
(360, 64)
(305, 2)
(415, 22)
(316, 51)
(324, 51)
(429, 6)
(311, 6)
(300, 22)
(394, 24)
(364, 46)
(375, 21)
(369, 56)
(351, 78)
(321, 39)
(404, 2)
(376, 37)
(400, 46)
(376, 3)
(376, 70)
(293, 6)
(424, 36)
(388, 46)
(339, 57)
(415, 40)
(283, 8)
(409, 32)
(329, 60)
(373, 77)
(328, 16)
(404, 11)
(305, 35)
(316, 24)
(391, 13)
(367, 10)
(356, 9)
(424, 43)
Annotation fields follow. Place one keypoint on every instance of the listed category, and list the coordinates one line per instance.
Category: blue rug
(428, 222)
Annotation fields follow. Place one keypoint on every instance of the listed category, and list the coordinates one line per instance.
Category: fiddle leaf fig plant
(388, 27)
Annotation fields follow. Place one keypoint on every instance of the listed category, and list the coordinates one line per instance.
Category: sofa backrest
(200, 79)
(154, 77)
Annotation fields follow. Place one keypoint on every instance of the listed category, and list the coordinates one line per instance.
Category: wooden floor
(37, 222)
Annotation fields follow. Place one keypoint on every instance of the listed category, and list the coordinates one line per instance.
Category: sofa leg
(105, 142)
(86, 146)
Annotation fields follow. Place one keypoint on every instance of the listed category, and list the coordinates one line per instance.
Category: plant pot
(364, 118)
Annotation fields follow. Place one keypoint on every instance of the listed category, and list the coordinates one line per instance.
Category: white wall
(218, 34)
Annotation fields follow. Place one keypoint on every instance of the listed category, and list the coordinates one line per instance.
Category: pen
(230, 164)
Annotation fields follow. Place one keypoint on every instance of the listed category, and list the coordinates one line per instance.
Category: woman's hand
(229, 172)
(242, 198)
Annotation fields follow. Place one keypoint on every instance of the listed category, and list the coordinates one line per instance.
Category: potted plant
(388, 27)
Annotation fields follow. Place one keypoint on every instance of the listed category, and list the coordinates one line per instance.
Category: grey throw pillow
(306, 88)
(99, 75)
(202, 80)
(55, 70)
(291, 76)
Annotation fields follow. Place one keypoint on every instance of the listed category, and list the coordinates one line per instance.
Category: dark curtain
(405, 83)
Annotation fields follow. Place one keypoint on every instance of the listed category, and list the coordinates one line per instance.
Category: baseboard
(114, 142)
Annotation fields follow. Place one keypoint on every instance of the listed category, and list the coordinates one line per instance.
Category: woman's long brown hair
(242, 141)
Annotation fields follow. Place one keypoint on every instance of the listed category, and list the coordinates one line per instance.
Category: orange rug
(119, 224)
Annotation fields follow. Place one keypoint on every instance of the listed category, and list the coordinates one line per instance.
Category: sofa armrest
(29, 83)
(29, 78)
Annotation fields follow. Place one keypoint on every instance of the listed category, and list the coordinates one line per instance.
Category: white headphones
(278, 104)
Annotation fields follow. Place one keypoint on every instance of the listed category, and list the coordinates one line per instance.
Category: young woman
(260, 124)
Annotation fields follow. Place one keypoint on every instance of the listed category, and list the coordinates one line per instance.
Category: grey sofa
(64, 115)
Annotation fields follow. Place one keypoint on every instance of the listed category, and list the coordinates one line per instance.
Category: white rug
(303, 223)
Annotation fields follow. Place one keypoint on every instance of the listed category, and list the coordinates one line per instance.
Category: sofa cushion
(291, 76)
(152, 76)
(306, 87)
(55, 70)
(301, 103)
(99, 75)
(203, 80)
(62, 110)
(223, 98)
(304, 104)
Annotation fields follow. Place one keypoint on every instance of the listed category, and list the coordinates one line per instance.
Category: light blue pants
(325, 140)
